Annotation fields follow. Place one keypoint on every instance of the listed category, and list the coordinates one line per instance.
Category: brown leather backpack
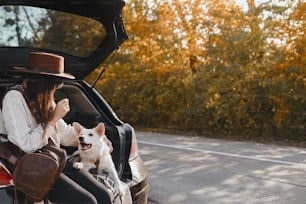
(35, 173)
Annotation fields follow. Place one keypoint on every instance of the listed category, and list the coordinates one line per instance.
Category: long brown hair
(39, 93)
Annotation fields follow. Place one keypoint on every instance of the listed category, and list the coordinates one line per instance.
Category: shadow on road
(186, 176)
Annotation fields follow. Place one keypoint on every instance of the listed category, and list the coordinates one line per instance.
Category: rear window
(25, 26)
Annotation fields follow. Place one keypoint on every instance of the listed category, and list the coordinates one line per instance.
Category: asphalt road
(194, 170)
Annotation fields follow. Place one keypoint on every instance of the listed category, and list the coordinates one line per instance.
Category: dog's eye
(90, 134)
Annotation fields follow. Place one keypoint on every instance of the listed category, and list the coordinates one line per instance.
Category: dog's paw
(78, 165)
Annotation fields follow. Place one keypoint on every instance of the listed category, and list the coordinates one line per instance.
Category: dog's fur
(93, 149)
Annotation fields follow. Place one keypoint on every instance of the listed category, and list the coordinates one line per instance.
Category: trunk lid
(84, 32)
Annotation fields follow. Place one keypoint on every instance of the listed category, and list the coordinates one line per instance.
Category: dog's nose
(81, 139)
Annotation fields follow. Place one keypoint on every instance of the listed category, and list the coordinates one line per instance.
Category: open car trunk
(84, 32)
(87, 113)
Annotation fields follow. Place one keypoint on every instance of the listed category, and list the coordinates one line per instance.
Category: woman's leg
(67, 191)
(88, 182)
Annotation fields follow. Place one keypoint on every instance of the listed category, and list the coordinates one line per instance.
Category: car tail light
(134, 146)
(6, 178)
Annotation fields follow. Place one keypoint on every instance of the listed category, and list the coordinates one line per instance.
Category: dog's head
(89, 138)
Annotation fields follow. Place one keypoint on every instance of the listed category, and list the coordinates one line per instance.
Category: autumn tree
(211, 67)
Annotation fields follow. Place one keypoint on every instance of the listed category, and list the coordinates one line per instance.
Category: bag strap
(46, 201)
(10, 152)
(50, 142)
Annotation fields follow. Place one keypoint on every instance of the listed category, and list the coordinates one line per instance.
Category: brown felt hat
(45, 64)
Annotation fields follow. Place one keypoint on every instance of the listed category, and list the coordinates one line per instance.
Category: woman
(31, 117)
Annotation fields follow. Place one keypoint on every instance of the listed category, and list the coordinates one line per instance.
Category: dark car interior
(81, 109)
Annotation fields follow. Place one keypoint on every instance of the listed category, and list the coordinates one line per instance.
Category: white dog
(93, 150)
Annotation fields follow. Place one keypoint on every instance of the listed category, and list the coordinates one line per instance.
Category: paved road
(193, 170)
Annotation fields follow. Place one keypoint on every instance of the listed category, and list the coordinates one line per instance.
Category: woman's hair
(39, 93)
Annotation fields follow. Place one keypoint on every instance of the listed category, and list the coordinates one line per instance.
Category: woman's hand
(61, 109)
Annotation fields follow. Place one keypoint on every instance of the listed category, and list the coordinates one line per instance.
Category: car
(86, 34)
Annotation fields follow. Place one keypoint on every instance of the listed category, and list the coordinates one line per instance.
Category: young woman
(30, 117)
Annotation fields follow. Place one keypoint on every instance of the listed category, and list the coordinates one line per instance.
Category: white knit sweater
(18, 123)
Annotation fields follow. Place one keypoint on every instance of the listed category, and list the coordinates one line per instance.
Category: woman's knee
(66, 190)
(86, 198)
(103, 198)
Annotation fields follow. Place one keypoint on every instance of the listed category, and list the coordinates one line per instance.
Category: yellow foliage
(208, 66)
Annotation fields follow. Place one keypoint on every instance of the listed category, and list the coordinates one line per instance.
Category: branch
(31, 24)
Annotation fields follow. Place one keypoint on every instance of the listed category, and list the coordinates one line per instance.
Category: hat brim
(29, 71)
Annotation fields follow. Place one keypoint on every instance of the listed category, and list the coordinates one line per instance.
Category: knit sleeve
(67, 134)
(21, 127)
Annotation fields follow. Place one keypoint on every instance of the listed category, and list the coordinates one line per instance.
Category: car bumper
(139, 185)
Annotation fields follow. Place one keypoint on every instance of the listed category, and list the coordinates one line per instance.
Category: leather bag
(35, 173)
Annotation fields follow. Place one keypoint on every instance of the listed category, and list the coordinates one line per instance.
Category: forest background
(212, 68)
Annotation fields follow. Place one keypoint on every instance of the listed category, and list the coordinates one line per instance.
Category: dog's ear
(100, 129)
(77, 127)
